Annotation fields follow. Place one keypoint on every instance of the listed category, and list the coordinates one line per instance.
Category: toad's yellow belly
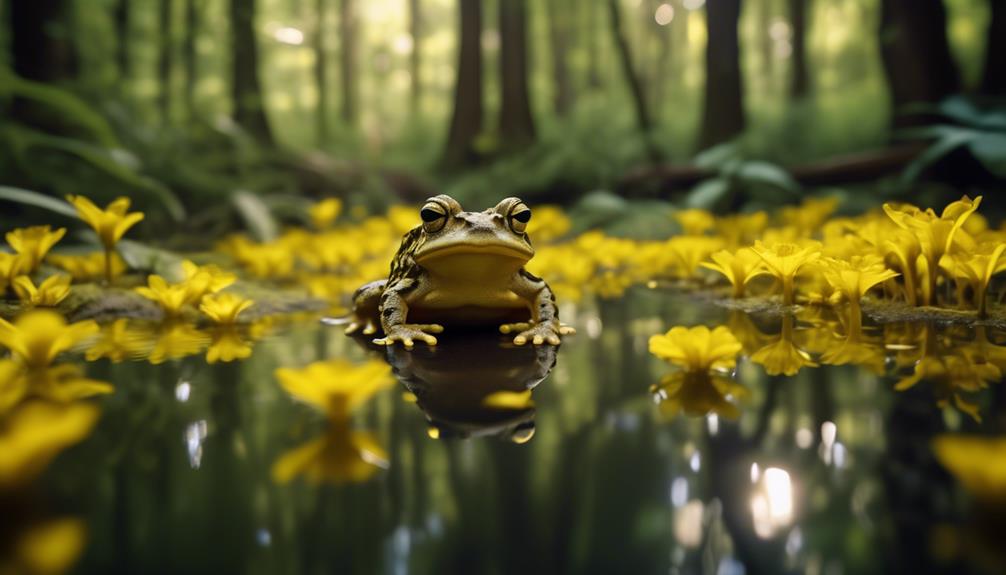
(468, 303)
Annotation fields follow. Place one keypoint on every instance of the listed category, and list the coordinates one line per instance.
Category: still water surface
(826, 471)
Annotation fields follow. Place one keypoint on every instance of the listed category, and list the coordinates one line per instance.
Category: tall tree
(190, 55)
(466, 119)
(644, 120)
(415, 68)
(559, 34)
(165, 57)
(347, 33)
(321, 70)
(516, 124)
(246, 86)
(122, 17)
(723, 105)
(915, 53)
(800, 80)
(42, 47)
(994, 74)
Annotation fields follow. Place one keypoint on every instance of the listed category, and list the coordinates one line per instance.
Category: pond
(612, 464)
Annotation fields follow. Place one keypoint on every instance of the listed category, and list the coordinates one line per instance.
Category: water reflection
(475, 385)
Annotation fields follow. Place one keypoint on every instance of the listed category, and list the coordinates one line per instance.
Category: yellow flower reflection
(783, 356)
(34, 243)
(120, 340)
(49, 293)
(37, 337)
(63, 383)
(698, 393)
(227, 344)
(506, 400)
(175, 340)
(46, 547)
(697, 348)
(979, 463)
(337, 386)
(340, 455)
(33, 434)
(951, 376)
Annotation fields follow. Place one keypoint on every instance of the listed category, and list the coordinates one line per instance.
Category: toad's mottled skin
(461, 268)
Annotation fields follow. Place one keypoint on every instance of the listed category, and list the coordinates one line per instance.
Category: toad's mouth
(490, 251)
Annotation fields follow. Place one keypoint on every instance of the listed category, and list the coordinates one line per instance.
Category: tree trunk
(122, 17)
(516, 124)
(416, 32)
(558, 20)
(246, 88)
(800, 79)
(321, 71)
(347, 32)
(42, 47)
(994, 74)
(593, 46)
(643, 119)
(466, 120)
(723, 110)
(915, 53)
(190, 55)
(165, 58)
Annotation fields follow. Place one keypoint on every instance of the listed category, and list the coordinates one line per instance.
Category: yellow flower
(341, 455)
(783, 356)
(34, 243)
(49, 293)
(853, 278)
(977, 270)
(88, 267)
(509, 400)
(171, 297)
(336, 386)
(739, 267)
(809, 215)
(224, 308)
(697, 348)
(784, 260)
(45, 547)
(936, 234)
(979, 463)
(227, 344)
(694, 222)
(203, 280)
(324, 213)
(905, 247)
(741, 229)
(950, 375)
(685, 253)
(37, 337)
(548, 224)
(120, 341)
(111, 223)
(698, 393)
(176, 340)
(11, 266)
(33, 434)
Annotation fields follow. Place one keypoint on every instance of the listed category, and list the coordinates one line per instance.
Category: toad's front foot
(407, 333)
(538, 333)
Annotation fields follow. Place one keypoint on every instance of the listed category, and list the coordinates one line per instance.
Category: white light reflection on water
(772, 502)
(195, 433)
(679, 491)
(182, 391)
(688, 524)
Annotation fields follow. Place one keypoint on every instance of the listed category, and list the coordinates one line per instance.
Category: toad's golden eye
(434, 217)
(520, 215)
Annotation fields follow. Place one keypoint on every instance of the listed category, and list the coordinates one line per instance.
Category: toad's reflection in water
(475, 386)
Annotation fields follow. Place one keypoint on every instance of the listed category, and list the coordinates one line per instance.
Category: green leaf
(935, 153)
(143, 257)
(256, 215)
(765, 173)
(716, 157)
(30, 198)
(707, 194)
(990, 150)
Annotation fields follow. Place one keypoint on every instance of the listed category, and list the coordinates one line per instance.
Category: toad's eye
(434, 217)
(520, 215)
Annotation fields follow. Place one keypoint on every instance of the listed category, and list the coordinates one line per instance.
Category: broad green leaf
(767, 174)
(143, 257)
(935, 153)
(707, 194)
(256, 215)
(990, 150)
(716, 157)
(69, 108)
(30, 198)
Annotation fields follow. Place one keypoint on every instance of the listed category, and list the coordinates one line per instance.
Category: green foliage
(70, 110)
(30, 198)
(978, 130)
(739, 181)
